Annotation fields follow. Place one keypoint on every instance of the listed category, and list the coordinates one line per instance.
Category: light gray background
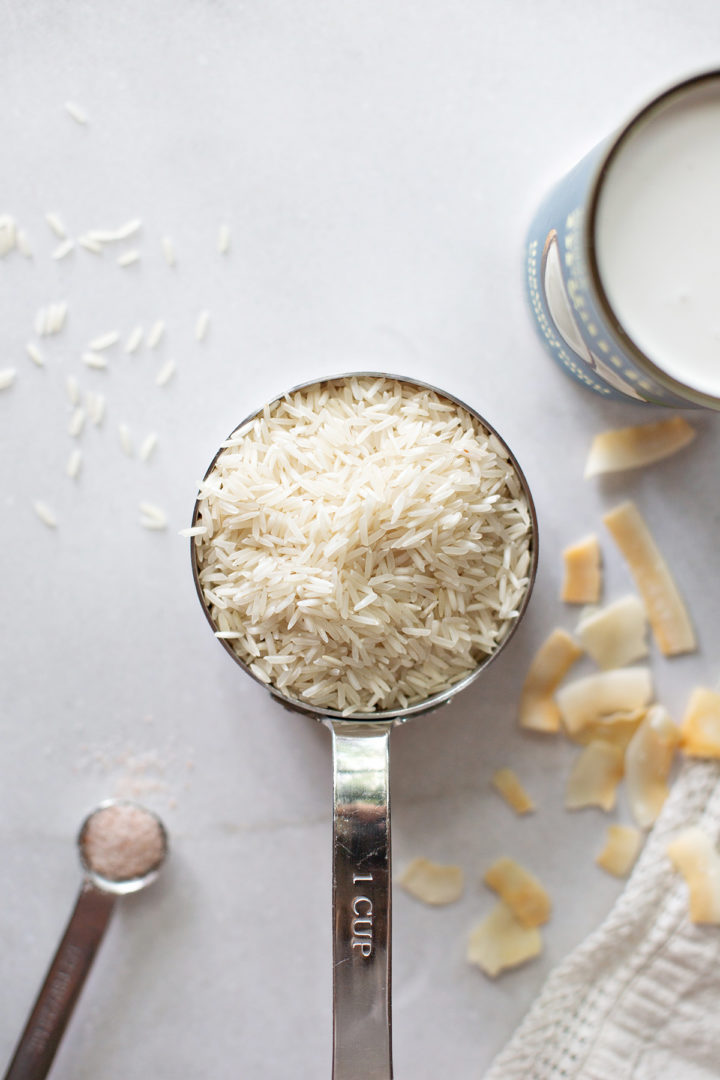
(377, 164)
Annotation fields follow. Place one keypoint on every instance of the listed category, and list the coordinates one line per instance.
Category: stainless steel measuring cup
(362, 1047)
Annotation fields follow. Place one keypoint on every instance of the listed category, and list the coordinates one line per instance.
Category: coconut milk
(657, 235)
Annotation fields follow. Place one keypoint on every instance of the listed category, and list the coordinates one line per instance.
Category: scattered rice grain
(133, 342)
(35, 355)
(200, 530)
(126, 441)
(147, 446)
(73, 389)
(77, 421)
(224, 239)
(95, 405)
(8, 235)
(79, 115)
(129, 258)
(45, 514)
(7, 378)
(156, 332)
(73, 464)
(56, 225)
(23, 244)
(95, 360)
(90, 244)
(63, 249)
(201, 326)
(152, 517)
(165, 373)
(168, 251)
(104, 341)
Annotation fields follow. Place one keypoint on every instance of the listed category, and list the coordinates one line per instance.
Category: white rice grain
(35, 355)
(129, 258)
(7, 378)
(165, 373)
(74, 463)
(90, 244)
(56, 224)
(168, 250)
(40, 321)
(23, 244)
(147, 446)
(223, 243)
(79, 115)
(134, 340)
(104, 341)
(77, 421)
(45, 514)
(156, 332)
(72, 388)
(95, 360)
(201, 325)
(151, 516)
(128, 229)
(8, 235)
(126, 440)
(63, 249)
(201, 530)
(95, 405)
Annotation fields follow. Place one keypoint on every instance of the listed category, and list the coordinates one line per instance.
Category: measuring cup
(68, 970)
(362, 1046)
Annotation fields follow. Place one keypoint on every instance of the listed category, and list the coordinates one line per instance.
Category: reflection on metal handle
(362, 1047)
(63, 983)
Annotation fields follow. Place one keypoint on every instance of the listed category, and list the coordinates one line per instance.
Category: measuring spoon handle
(362, 1048)
(64, 981)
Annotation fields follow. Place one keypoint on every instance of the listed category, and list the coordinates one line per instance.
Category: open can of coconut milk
(623, 256)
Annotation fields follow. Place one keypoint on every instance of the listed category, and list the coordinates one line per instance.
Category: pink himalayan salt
(122, 842)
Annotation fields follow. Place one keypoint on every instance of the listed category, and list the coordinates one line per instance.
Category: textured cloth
(640, 998)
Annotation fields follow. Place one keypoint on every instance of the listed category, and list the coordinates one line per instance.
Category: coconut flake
(667, 613)
(594, 777)
(622, 847)
(520, 890)
(648, 761)
(582, 583)
(693, 853)
(431, 882)
(549, 666)
(507, 783)
(500, 942)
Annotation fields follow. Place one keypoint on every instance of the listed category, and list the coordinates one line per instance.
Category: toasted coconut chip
(622, 847)
(508, 784)
(521, 891)
(632, 447)
(548, 668)
(500, 942)
(585, 701)
(618, 729)
(583, 579)
(615, 635)
(700, 728)
(594, 777)
(692, 853)
(648, 760)
(668, 616)
(432, 882)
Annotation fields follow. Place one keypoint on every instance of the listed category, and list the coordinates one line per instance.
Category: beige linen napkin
(640, 998)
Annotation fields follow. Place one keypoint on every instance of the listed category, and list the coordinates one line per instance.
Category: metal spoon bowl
(362, 1048)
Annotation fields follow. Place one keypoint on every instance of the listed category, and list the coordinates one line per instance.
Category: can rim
(691, 394)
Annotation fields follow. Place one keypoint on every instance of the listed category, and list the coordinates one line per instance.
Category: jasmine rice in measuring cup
(363, 544)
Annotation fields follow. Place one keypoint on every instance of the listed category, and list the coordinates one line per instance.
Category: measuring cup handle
(362, 1048)
(63, 983)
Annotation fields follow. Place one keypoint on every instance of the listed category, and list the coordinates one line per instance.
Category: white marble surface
(377, 164)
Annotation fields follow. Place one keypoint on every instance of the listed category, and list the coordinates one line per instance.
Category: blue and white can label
(567, 300)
